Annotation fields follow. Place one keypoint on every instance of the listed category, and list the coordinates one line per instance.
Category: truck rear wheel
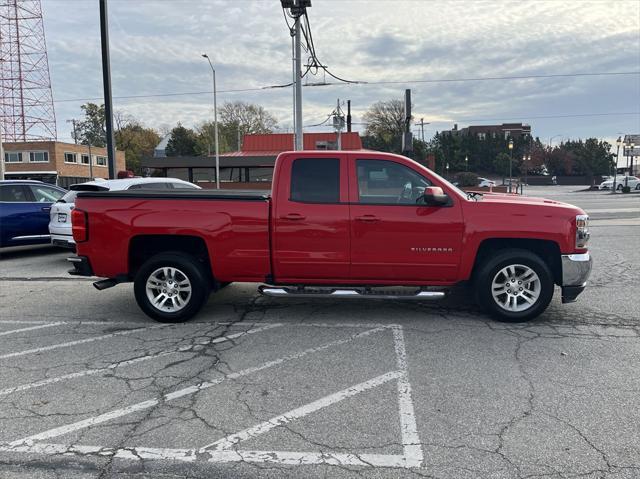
(514, 285)
(171, 287)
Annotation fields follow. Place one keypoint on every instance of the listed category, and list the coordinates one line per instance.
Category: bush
(467, 179)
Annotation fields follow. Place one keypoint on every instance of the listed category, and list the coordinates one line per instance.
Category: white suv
(60, 218)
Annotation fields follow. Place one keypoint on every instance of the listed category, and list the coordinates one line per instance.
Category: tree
(182, 142)
(91, 130)
(250, 118)
(501, 164)
(386, 123)
(134, 139)
(205, 134)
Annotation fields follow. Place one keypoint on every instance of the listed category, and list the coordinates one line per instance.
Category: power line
(523, 117)
(365, 83)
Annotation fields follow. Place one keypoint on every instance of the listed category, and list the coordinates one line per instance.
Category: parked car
(632, 181)
(60, 217)
(486, 183)
(24, 211)
(336, 224)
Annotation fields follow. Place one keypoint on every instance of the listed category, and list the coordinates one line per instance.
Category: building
(56, 162)
(505, 130)
(249, 168)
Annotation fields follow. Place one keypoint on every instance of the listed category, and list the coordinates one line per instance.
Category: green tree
(91, 130)
(134, 139)
(501, 164)
(183, 142)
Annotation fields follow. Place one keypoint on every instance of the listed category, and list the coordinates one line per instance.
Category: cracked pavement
(262, 387)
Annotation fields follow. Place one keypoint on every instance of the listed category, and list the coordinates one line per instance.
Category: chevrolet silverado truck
(337, 224)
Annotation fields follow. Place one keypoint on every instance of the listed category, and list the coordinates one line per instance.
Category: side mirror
(434, 196)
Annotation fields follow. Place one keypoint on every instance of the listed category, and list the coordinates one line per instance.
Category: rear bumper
(81, 266)
(64, 241)
(576, 269)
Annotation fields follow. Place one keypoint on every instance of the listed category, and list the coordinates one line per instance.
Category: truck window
(388, 183)
(315, 180)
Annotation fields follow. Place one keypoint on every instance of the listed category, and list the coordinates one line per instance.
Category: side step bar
(292, 292)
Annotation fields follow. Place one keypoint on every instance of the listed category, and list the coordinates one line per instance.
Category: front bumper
(576, 269)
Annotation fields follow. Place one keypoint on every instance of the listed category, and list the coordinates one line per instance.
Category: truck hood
(527, 200)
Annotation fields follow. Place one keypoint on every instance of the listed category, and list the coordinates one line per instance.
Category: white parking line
(300, 412)
(112, 366)
(191, 455)
(62, 430)
(78, 341)
(408, 426)
(31, 328)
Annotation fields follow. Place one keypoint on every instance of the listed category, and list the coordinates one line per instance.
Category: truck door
(394, 239)
(311, 220)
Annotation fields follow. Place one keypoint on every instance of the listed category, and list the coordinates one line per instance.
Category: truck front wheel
(171, 287)
(514, 285)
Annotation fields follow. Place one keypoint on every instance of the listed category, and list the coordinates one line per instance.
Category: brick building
(56, 162)
(504, 130)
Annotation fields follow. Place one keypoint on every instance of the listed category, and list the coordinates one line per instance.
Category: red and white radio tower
(26, 101)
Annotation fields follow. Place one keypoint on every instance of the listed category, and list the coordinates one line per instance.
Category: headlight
(582, 231)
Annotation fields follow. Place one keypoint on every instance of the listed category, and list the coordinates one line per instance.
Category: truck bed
(234, 226)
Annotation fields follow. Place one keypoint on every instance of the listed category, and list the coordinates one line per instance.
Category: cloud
(156, 47)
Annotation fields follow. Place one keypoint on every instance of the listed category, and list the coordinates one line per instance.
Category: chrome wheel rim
(516, 288)
(168, 289)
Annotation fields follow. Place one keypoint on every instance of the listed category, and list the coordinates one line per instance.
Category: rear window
(71, 195)
(315, 180)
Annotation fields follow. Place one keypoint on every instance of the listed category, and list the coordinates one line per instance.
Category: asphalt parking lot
(262, 387)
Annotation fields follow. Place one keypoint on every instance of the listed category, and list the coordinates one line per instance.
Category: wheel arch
(143, 247)
(547, 250)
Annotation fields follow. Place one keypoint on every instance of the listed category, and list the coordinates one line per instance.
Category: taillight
(79, 225)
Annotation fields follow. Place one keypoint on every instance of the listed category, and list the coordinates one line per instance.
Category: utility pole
(338, 124)
(298, 74)
(422, 129)
(348, 116)
(106, 82)
(75, 132)
(407, 136)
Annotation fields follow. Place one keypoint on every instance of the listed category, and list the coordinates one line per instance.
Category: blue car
(24, 211)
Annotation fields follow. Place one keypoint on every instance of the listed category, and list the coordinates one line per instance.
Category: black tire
(187, 267)
(491, 269)
(619, 187)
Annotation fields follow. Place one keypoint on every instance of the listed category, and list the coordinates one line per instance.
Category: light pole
(615, 169)
(215, 121)
(466, 163)
(525, 161)
(510, 164)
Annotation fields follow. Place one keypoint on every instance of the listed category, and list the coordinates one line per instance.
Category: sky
(156, 48)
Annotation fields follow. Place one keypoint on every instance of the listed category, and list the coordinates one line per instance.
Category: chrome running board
(359, 292)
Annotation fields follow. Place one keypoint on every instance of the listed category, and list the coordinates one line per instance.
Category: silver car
(60, 217)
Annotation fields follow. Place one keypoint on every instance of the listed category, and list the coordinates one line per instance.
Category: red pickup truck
(339, 224)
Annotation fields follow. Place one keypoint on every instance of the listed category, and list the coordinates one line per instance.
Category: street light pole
(215, 121)
(510, 165)
(615, 170)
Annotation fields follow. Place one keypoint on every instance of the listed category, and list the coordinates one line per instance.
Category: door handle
(46, 208)
(293, 217)
(368, 218)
